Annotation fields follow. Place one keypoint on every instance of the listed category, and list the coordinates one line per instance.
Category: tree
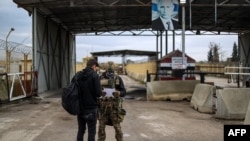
(210, 55)
(214, 53)
(235, 54)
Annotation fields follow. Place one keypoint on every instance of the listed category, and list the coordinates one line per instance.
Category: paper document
(109, 92)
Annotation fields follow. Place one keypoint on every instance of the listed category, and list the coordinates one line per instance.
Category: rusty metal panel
(4, 88)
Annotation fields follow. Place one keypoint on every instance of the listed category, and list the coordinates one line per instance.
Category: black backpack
(71, 98)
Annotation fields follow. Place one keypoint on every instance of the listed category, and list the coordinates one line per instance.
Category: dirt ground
(44, 119)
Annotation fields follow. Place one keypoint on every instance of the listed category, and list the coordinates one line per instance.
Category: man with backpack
(90, 91)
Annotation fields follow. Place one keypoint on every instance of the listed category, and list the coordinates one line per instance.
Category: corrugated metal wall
(53, 53)
(244, 50)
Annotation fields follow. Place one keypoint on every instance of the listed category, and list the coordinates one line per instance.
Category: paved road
(45, 120)
(221, 82)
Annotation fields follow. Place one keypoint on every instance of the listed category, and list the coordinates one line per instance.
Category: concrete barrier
(171, 90)
(247, 117)
(203, 98)
(232, 103)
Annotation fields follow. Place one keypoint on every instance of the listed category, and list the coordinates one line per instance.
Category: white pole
(183, 40)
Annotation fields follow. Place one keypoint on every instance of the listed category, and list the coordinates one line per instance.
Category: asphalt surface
(44, 119)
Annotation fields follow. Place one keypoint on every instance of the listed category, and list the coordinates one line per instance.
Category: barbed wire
(15, 47)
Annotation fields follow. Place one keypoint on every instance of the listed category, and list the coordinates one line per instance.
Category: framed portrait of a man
(165, 14)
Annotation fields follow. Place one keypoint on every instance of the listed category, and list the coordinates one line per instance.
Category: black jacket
(90, 88)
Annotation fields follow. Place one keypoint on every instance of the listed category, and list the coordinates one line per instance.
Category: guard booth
(171, 67)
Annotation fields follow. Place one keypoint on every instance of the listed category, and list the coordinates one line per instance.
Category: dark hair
(92, 62)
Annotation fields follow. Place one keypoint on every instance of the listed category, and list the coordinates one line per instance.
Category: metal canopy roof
(84, 16)
(125, 52)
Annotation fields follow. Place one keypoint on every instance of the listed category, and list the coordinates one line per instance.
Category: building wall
(142, 68)
(138, 71)
(210, 67)
(79, 66)
(83, 64)
(2, 66)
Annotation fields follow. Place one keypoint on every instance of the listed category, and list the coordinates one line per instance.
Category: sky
(196, 46)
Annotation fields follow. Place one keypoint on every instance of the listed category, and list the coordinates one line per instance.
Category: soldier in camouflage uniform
(110, 110)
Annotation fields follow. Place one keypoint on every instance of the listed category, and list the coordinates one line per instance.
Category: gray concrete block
(247, 117)
(202, 99)
(171, 90)
(232, 103)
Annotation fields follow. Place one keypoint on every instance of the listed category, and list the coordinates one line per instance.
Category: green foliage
(216, 53)
(210, 55)
(235, 54)
(213, 53)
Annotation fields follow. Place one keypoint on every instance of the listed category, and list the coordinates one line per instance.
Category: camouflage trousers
(109, 114)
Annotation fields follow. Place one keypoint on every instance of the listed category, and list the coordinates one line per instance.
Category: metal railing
(237, 70)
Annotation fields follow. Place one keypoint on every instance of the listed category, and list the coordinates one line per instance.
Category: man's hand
(116, 93)
(103, 93)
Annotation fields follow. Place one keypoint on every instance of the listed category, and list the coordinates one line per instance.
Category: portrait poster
(165, 14)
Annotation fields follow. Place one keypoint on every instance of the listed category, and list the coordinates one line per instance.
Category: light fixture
(183, 1)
